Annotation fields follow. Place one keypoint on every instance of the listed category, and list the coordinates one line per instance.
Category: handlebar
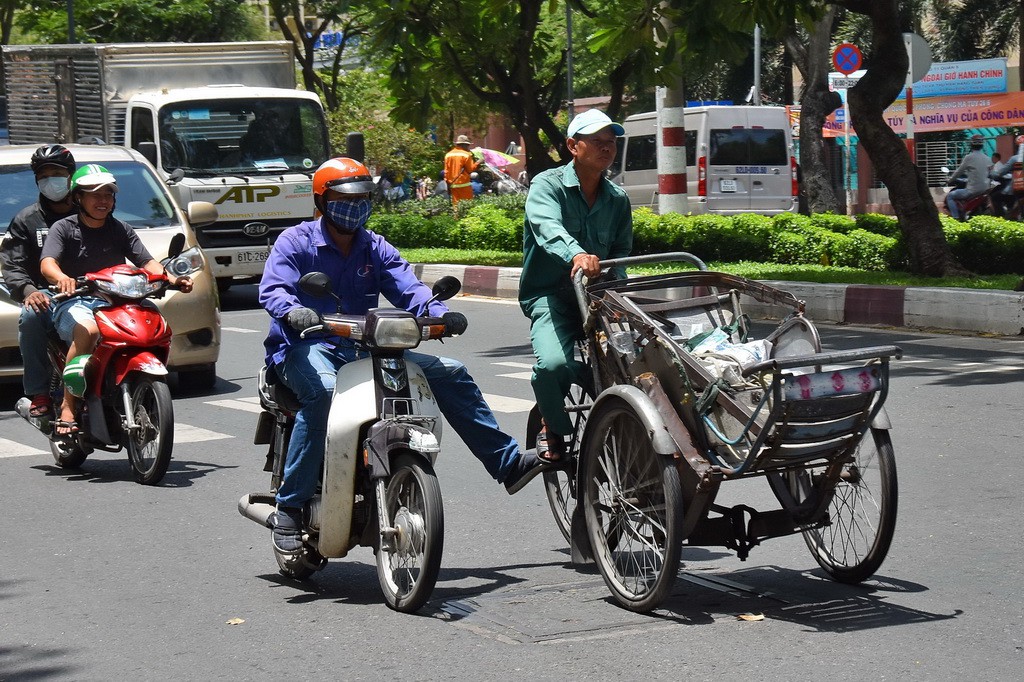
(354, 327)
(577, 281)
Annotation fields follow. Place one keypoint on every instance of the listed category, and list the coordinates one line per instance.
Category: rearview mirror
(176, 245)
(446, 287)
(315, 284)
(201, 213)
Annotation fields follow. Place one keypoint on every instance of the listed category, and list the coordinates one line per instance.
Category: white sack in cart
(725, 359)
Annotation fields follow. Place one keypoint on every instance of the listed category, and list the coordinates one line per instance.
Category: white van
(739, 159)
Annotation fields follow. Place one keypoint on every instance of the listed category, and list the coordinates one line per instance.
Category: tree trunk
(816, 103)
(885, 76)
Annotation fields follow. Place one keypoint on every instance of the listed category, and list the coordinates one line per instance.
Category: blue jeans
(958, 195)
(33, 329)
(310, 371)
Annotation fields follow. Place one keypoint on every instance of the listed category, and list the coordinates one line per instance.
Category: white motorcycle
(378, 486)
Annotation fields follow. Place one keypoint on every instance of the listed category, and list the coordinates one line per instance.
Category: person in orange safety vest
(458, 164)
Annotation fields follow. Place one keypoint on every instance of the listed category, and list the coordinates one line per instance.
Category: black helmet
(977, 142)
(53, 155)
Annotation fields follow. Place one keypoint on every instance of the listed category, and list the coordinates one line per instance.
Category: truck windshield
(142, 200)
(243, 136)
(748, 147)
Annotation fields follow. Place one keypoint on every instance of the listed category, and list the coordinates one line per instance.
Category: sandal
(70, 428)
(42, 406)
(550, 449)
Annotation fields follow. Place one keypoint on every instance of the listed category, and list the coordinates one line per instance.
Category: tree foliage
(139, 21)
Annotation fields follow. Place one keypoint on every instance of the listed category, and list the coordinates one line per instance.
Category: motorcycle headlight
(392, 329)
(185, 263)
(128, 286)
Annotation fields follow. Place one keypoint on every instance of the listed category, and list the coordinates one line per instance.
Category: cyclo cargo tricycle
(682, 400)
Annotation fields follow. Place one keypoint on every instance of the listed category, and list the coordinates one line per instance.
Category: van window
(748, 146)
(641, 153)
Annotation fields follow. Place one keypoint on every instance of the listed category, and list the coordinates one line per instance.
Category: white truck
(222, 122)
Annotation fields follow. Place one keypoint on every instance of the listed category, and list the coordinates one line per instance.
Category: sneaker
(288, 530)
(524, 470)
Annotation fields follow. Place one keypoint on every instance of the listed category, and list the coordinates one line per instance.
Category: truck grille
(231, 233)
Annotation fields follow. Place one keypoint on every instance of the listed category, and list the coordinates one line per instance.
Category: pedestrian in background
(459, 164)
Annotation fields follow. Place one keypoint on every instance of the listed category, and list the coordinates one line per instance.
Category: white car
(144, 203)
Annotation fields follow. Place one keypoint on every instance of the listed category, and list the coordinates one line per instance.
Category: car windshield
(142, 200)
(242, 136)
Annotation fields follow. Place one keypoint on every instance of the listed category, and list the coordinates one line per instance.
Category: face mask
(348, 216)
(54, 189)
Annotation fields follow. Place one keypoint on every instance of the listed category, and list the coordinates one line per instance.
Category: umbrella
(493, 157)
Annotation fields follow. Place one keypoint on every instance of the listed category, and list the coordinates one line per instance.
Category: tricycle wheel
(633, 508)
(862, 515)
(408, 568)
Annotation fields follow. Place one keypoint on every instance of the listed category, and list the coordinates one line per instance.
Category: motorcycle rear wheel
(149, 446)
(408, 571)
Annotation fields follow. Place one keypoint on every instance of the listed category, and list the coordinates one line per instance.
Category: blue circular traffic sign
(847, 58)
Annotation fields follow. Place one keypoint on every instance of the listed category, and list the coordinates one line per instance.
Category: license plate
(251, 256)
(727, 185)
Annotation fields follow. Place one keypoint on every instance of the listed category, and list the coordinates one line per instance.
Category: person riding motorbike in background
(362, 266)
(975, 166)
(87, 242)
(22, 245)
(1004, 200)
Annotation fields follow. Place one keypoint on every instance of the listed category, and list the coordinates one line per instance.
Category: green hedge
(985, 245)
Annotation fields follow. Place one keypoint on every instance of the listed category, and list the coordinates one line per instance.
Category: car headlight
(185, 263)
(392, 329)
(128, 286)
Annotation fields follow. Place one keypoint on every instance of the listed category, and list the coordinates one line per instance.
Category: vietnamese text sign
(974, 77)
(933, 114)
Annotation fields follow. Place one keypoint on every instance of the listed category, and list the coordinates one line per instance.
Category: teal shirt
(559, 224)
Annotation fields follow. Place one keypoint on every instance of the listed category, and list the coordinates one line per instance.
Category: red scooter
(125, 402)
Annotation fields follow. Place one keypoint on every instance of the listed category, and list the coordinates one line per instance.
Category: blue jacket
(373, 267)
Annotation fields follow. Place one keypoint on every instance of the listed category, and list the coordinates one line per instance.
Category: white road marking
(241, 330)
(186, 433)
(518, 375)
(244, 404)
(501, 403)
(9, 448)
(520, 365)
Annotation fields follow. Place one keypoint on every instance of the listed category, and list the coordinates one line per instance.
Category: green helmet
(74, 375)
(91, 177)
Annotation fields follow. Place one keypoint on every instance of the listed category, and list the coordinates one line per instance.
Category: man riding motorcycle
(975, 166)
(52, 165)
(361, 265)
(1004, 199)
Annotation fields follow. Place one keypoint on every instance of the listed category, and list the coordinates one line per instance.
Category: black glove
(301, 319)
(454, 323)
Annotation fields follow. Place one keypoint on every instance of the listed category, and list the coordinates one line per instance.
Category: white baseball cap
(590, 121)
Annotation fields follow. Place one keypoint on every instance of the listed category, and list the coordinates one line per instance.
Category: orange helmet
(344, 175)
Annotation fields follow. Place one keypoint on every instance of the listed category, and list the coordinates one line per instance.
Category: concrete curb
(966, 310)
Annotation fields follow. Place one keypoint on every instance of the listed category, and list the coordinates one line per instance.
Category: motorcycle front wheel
(408, 564)
(150, 443)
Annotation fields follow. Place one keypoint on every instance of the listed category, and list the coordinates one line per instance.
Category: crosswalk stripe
(501, 403)
(520, 365)
(10, 448)
(518, 375)
(240, 330)
(186, 433)
(244, 404)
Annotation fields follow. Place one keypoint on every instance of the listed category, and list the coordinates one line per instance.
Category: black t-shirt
(81, 250)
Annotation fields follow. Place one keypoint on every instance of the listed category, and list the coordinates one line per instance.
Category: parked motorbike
(378, 486)
(972, 206)
(125, 402)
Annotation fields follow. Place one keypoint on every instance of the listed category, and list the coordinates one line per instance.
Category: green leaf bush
(985, 245)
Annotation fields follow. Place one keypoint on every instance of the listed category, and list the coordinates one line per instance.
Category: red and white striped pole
(910, 97)
(671, 152)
